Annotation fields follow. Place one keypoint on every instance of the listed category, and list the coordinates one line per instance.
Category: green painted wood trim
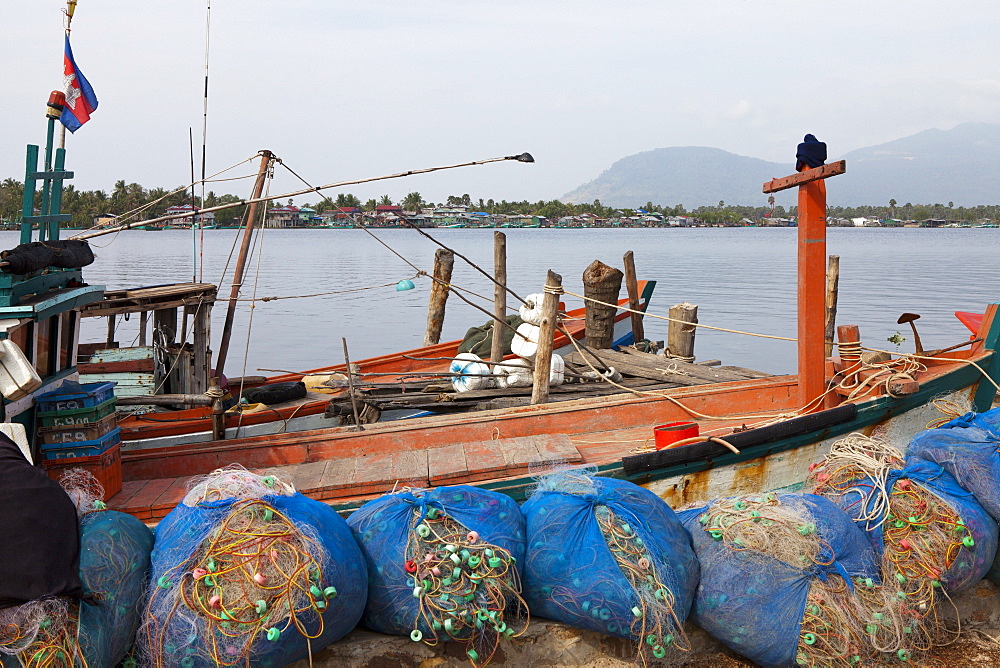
(987, 390)
(57, 174)
(28, 200)
(53, 218)
(55, 207)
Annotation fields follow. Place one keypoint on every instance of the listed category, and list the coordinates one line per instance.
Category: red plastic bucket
(666, 435)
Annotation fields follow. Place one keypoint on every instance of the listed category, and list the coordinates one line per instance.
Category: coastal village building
(283, 216)
(205, 219)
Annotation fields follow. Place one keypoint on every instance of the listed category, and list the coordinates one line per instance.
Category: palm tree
(385, 201)
(413, 202)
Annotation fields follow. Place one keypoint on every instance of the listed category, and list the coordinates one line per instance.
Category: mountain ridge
(932, 166)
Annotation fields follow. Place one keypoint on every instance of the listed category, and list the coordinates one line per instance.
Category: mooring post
(681, 331)
(832, 286)
(444, 262)
(546, 334)
(602, 283)
(812, 273)
(632, 287)
(499, 294)
(218, 412)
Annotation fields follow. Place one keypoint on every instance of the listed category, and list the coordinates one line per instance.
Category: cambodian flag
(80, 98)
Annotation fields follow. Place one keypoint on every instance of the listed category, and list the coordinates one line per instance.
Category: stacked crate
(78, 428)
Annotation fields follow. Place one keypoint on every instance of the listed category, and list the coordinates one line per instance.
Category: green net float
(807, 529)
(661, 594)
(869, 583)
(449, 626)
(813, 609)
(605, 614)
(900, 578)
(465, 555)
(473, 654)
(585, 606)
(260, 606)
(100, 505)
(423, 530)
(474, 561)
(456, 573)
(417, 591)
(211, 565)
(509, 632)
(755, 516)
(501, 627)
(703, 520)
(436, 625)
(330, 592)
(740, 505)
(495, 562)
(968, 541)
(45, 623)
(809, 638)
(659, 651)
(320, 605)
(455, 559)
(878, 615)
(907, 629)
(667, 639)
(273, 633)
(717, 535)
(488, 552)
(935, 583)
(636, 611)
(901, 595)
(903, 655)
(482, 615)
(451, 548)
(268, 514)
(431, 513)
(269, 480)
(163, 582)
(416, 635)
(651, 639)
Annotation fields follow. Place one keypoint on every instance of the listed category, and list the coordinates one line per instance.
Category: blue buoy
(404, 285)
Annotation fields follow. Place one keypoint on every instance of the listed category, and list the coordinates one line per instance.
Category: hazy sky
(344, 90)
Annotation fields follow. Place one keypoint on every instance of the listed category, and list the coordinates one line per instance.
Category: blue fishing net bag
(754, 602)
(453, 531)
(968, 448)
(310, 591)
(608, 556)
(973, 539)
(114, 566)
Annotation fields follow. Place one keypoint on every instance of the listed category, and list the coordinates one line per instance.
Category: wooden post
(143, 325)
(111, 330)
(499, 294)
(602, 283)
(546, 333)
(444, 261)
(632, 287)
(832, 286)
(812, 291)
(165, 322)
(218, 412)
(680, 334)
(849, 345)
(241, 261)
(350, 386)
(202, 330)
(812, 279)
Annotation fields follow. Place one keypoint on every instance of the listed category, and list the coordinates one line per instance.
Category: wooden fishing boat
(194, 425)
(757, 433)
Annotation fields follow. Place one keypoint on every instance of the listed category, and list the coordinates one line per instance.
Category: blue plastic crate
(82, 448)
(91, 395)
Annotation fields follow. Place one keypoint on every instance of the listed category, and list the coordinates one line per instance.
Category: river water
(740, 278)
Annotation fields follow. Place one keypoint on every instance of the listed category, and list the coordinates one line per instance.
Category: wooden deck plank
(170, 497)
(557, 449)
(446, 463)
(305, 477)
(338, 478)
(370, 474)
(410, 468)
(519, 452)
(128, 490)
(148, 495)
(484, 460)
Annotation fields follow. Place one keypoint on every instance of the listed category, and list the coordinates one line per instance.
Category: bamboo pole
(632, 287)
(499, 294)
(444, 262)
(543, 358)
(234, 293)
(832, 287)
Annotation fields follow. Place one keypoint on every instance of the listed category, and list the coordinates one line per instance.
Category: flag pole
(68, 13)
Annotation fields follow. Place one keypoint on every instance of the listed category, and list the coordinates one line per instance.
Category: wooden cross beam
(806, 176)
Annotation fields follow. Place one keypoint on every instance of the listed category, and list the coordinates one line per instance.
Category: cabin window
(46, 356)
(67, 338)
(20, 336)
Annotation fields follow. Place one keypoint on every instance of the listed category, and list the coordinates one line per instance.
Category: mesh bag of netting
(245, 571)
(929, 532)
(790, 580)
(968, 448)
(444, 564)
(609, 556)
(99, 629)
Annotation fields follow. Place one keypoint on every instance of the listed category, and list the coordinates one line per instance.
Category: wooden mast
(241, 261)
(812, 275)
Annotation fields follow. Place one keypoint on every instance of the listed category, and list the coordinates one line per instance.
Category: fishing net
(922, 523)
(247, 571)
(609, 556)
(967, 447)
(790, 580)
(444, 565)
(114, 562)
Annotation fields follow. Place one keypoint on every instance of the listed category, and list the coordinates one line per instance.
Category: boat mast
(241, 261)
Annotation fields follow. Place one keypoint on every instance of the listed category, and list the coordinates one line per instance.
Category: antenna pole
(204, 136)
(241, 261)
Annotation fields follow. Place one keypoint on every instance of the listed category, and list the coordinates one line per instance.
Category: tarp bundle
(66, 254)
(778, 578)
(114, 565)
(609, 556)
(247, 571)
(443, 564)
(967, 447)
